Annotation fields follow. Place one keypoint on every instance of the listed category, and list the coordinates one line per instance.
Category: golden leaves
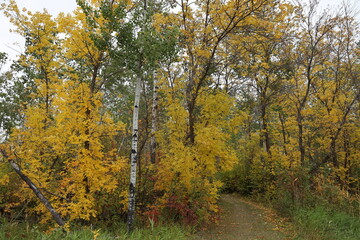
(186, 168)
(66, 143)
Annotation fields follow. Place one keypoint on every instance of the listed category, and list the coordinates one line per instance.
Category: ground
(243, 220)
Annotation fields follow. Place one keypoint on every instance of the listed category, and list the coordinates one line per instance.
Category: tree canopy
(259, 97)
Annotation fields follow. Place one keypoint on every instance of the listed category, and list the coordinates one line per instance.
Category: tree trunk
(134, 156)
(153, 121)
(36, 190)
(283, 131)
(300, 137)
(265, 138)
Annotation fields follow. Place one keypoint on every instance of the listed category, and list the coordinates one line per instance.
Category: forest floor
(244, 220)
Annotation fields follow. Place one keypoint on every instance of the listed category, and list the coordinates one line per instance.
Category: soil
(243, 220)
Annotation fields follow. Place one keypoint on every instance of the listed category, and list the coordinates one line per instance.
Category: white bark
(134, 156)
(153, 120)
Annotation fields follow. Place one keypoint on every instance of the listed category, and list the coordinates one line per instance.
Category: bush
(323, 223)
(25, 231)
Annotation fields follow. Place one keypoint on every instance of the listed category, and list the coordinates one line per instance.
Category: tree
(64, 142)
(197, 109)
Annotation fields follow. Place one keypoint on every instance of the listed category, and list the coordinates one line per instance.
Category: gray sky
(12, 43)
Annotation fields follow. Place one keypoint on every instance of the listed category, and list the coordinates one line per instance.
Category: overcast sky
(12, 44)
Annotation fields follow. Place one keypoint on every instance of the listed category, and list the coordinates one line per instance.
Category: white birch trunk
(153, 120)
(134, 156)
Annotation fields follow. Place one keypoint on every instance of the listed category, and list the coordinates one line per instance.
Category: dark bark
(300, 137)
(265, 138)
(283, 131)
(332, 155)
(200, 71)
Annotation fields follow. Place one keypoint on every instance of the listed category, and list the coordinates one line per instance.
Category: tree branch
(35, 189)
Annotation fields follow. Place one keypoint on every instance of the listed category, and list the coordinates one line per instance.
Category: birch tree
(151, 48)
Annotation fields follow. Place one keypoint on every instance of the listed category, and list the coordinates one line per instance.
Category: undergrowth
(320, 223)
(25, 231)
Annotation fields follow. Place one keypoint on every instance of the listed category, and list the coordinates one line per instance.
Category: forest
(142, 112)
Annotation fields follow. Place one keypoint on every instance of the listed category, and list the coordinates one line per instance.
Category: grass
(23, 231)
(318, 223)
(322, 223)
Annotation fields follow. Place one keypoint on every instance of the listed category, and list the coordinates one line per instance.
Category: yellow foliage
(188, 170)
(67, 157)
(66, 145)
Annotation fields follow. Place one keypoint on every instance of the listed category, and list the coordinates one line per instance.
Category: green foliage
(14, 95)
(3, 59)
(327, 224)
(236, 180)
(26, 231)
(295, 142)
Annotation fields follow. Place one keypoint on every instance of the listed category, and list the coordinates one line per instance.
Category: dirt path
(242, 221)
